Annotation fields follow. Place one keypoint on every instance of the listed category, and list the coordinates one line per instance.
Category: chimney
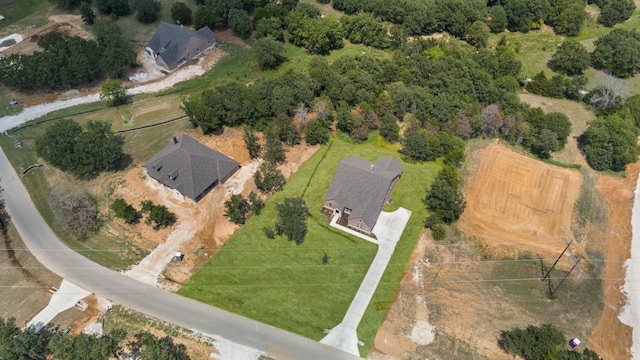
(175, 139)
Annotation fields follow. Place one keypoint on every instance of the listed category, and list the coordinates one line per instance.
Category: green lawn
(24, 12)
(285, 285)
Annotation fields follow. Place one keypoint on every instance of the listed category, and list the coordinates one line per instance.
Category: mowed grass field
(286, 285)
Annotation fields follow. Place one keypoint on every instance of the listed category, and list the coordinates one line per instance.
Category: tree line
(47, 343)
(67, 61)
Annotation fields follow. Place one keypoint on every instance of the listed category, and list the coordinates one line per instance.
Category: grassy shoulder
(285, 285)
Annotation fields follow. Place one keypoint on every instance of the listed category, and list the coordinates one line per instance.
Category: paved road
(68, 264)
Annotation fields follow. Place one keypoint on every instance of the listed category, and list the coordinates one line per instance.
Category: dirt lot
(611, 338)
(518, 202)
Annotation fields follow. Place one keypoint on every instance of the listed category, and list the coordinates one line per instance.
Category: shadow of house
(360, 189)
(190, 167)
(173, 45)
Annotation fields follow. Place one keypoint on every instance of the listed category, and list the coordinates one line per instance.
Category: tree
(389, 128)
(274, 150)
(364, 28)
(616, 11)
(269, 53)
(75, 211)
(116, 7)
(87, 14)
(251, 139)
(478, 34)
(315, 132)
(444, 199)
(159, 215)
(154, 348)
(497, 19)
(415, 145)
(236, 209)
(124, 210)
(147, 10)
(84, 154)
(181, 13)
(571, 58)
(617, 52)
(113, 92)
(255, 203)
(271, 26)
(545, 141)
(268, 178)
(610, 143)
(531, 343)
(292, 219)
(570, 19)
(203, 16)
(317, 36)
(86, 347)
(239, 21)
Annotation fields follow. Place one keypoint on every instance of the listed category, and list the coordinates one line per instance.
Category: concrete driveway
(388, 230)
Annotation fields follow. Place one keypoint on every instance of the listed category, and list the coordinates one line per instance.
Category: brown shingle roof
(189, 167)
(362, 186)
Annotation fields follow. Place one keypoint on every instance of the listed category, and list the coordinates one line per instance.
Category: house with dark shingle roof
(173, 45)
(360, 189)
(190, 167)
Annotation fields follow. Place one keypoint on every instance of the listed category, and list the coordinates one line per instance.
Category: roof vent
(372, 166)
(175, 139)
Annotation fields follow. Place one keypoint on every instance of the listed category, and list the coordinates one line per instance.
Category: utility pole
(575, 265)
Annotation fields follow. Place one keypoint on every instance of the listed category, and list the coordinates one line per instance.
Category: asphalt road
(160, 304)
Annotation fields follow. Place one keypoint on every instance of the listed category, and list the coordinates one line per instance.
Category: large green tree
(181, 13)
(84, 154)
(618, 52)
(236, 209)
(292, 219)
(616, 11)
(571, 58)
(269, 53)
(147, 11)
(251, 142)
(610, 143)
(268, 178)
(444, 200)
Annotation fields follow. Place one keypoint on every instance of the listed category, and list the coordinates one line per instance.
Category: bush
(439, 232)
(269, 233)
(159, 215)
(125, 211)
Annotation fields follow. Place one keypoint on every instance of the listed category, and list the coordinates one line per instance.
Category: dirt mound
(518, 202)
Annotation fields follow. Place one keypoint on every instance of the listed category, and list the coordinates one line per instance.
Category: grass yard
(285, 285)
(24, 12)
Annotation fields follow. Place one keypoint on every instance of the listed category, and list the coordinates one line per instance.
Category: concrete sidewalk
(66, 297)
(388, 230)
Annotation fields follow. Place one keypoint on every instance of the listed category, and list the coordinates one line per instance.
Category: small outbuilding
(190, 167)
(173, 45)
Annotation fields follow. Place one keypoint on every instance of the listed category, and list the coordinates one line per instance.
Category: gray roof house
(190, 167)
(173, 45)
(360, 189)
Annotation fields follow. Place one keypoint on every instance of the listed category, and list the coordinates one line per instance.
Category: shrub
(439, 232)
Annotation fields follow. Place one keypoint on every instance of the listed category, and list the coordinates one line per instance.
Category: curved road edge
(152, 301)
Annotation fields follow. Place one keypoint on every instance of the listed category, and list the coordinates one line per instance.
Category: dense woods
(67, 61)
